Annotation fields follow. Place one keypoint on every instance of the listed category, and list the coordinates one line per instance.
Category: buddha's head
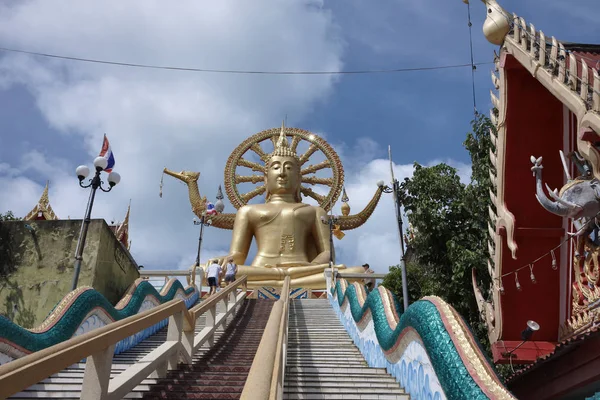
(283, 170)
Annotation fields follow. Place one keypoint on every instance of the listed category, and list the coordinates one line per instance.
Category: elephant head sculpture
(578, 199)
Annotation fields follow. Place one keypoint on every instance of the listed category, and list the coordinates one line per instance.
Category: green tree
(450, 223)
(9, 216)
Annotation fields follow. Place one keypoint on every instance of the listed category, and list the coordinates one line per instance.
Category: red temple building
(544, 244)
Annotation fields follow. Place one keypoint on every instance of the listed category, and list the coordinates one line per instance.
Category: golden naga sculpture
(290, 235)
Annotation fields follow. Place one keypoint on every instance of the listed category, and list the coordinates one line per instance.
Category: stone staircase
(221, 371)
(67, 383)
(324, 363)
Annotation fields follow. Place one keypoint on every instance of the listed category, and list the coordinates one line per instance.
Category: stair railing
(190, 276)
(266, 377)
(98, 347)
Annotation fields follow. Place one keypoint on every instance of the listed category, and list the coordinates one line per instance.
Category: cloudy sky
(53, 113)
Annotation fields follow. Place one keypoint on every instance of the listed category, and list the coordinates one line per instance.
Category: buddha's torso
(283, 232)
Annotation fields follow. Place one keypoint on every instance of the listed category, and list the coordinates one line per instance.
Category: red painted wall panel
(534, 126)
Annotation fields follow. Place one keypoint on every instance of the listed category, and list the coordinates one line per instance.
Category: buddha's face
(283, 175)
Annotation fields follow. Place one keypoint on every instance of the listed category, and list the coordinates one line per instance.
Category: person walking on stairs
(230, 271)
(369, 282)
(213, 273)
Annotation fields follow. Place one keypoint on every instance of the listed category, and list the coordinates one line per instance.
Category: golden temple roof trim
(43, 206)
(123, 227)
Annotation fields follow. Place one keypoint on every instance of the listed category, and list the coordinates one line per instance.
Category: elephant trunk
(554, 207)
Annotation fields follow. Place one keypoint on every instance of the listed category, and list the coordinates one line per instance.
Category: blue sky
(53, 113)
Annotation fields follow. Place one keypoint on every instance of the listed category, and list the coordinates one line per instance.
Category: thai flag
(107, 153)
(210, 209)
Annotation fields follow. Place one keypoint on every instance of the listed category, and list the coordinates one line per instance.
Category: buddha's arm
(241, 237)
(321, 236)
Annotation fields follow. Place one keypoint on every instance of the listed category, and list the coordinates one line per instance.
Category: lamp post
(203, 222)
(206, 221)
(395, 189)
(330, 220)
(100, 163)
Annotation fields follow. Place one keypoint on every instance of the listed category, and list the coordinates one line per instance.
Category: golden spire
(43, 209)
(122, 233)
(345, 205)
(282, 148)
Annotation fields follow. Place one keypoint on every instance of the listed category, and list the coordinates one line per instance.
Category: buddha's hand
(290, 264)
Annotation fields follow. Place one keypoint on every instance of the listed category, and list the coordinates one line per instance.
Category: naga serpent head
(185, 176)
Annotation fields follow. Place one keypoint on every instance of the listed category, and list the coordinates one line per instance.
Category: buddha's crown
(282, 148)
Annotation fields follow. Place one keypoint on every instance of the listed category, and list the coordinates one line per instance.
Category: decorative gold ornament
(253, 146)
(586, 292)
(337, 232)
(43, 207)
(345, 205)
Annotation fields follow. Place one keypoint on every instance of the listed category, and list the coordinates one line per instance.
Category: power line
(472, 63)
(226, 71)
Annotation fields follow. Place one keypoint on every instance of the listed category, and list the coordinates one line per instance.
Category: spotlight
(532, 326)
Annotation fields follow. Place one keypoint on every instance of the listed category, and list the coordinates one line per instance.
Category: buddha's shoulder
(252, 208)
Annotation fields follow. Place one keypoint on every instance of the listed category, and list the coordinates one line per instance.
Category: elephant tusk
(580, 231)
(555, 196)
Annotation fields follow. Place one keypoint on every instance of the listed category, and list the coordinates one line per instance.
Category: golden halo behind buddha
(281, 147)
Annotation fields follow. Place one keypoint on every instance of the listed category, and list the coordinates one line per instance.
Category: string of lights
(257, 72)
(531, 264)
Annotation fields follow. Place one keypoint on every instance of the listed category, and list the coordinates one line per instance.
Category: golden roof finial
(123, 229)
(43, 209)
(345, 205)
(282, 148)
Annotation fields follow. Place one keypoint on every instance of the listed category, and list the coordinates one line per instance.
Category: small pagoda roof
(121, 230)
(42, 210)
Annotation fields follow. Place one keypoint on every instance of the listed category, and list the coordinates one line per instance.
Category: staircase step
(323, 362)
(344, 396)
(221, 371)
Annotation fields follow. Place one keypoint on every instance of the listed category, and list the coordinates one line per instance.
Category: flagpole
(398, 209)
(101, 163)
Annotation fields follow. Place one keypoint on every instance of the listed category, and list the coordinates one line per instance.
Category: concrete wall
(37, 265)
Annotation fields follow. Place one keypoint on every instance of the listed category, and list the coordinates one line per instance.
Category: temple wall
(37, 266)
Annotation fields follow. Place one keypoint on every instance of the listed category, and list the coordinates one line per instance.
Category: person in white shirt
(213, 274)
(369, 283)
(230, 271)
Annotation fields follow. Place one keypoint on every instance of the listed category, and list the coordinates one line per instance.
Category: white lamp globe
(82, 172)
(114, 178)
(380, 183)
(100, 162)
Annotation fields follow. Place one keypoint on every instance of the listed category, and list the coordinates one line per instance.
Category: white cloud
(153, 118)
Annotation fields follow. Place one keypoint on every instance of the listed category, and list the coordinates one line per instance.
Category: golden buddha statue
(290, 235)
